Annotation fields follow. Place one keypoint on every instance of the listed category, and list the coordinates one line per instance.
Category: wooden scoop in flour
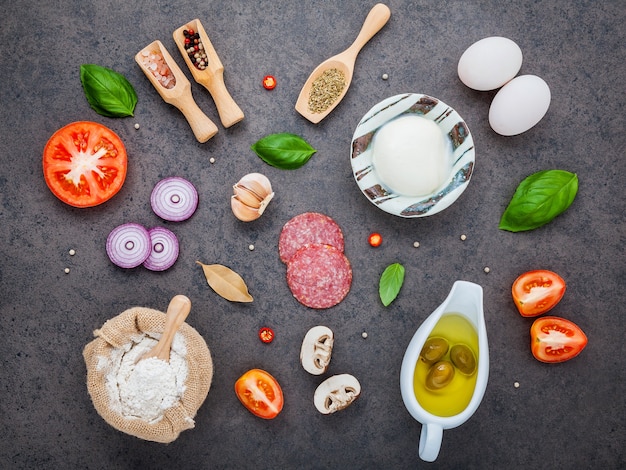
(212, 76)
(344, 63)
(177, 312)
(176, 92)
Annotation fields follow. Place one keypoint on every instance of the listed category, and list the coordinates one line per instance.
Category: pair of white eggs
(522, 101)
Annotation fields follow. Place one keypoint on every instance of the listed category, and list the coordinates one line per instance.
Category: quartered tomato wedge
(555, 339)
(536, 292)
(260, 393)
(84, 164)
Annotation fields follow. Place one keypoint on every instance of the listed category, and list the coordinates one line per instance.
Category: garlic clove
(243, 212)
(247, 196)
(252, 194)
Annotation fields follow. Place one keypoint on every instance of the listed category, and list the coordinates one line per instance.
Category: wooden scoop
(180, 94)
(344, 62)
(212, 77)
(177, 312)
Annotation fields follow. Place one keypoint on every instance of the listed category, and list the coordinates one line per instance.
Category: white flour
(145, 389)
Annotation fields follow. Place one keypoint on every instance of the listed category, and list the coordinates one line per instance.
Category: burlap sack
(118, 332)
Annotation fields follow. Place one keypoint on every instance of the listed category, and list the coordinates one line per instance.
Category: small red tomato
(375, 239)
(269, 82)
(555, 339)
(536, 292)
(260, 393)
(266, 334)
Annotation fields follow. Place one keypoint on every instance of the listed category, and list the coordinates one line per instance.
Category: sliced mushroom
(317, 347)
(336, 393)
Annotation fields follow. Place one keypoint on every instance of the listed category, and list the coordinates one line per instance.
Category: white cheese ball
(411, 155)
(489, 63)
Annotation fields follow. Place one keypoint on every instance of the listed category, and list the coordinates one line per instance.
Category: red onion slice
(164, 249)
(174, 199)
(128, 245)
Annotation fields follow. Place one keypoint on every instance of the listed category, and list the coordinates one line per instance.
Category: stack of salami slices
(318, 273)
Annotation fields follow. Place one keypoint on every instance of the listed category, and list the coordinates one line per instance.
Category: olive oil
(455, 396)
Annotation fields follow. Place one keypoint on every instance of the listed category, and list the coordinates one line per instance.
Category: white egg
(489, 63)
(519, 105)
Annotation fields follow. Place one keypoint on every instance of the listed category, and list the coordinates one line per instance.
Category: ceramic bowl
(453, 128)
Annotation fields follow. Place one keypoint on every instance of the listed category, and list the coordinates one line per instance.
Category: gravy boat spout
(465, 300)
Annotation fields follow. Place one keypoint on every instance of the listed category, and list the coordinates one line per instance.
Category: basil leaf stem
(107, 91)
(538, 199)
(285, 151)
(390, 283)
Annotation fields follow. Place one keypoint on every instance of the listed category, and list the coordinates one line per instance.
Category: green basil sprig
(107, 91)
(538, 199)
(390, 283)
(285, 151)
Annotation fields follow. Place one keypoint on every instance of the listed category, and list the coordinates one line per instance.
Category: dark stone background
(562, 416)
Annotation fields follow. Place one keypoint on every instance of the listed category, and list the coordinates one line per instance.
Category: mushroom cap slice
(316, 350)
(336, 393)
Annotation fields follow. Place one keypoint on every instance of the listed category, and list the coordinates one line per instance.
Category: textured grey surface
(562, 416)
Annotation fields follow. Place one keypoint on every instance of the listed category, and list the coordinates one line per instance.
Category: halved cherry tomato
(536, 292)
(555, 339)
(84, 164)
(260, 393)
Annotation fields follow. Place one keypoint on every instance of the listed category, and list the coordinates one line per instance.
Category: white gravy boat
(465, 298)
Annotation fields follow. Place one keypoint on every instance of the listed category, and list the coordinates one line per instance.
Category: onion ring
(128, 245)
(174, 199)
(164, 249)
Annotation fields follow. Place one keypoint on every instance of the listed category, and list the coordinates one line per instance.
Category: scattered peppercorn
(463, 237)
(416, 244)
(385, 76)
(269, 82)
(487, 269)
(72, 252)
(251, 247)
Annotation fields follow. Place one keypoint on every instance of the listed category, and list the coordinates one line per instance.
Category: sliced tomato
(555, 339)
(536, 292)
(260, 393)
(84, 164)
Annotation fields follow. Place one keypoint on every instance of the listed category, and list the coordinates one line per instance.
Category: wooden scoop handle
(203, 128)
(376, 19)
(177, 312)
(230, 113)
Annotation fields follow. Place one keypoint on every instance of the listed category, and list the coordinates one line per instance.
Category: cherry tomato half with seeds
(555, 339)
(260, 393)
(84, 164)
(375, 239)
(536, 292)
(266, 334)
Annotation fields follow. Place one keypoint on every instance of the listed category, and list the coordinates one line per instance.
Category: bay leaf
(226, 282)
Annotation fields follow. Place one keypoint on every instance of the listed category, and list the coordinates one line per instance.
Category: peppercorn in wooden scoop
(207, 69)
(329, 82)
(157, 64)
(177, 312)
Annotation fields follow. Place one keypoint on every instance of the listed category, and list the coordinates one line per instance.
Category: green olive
(463, 359)
(434, 349)
(439, 375)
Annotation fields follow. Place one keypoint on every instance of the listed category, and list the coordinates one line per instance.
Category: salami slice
(305, 229)
(319, 276)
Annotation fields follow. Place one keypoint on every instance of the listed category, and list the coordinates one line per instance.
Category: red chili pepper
(375, 239)
(266, 334)
(269, 82)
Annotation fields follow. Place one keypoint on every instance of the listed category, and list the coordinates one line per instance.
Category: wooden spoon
(212, 77)
(180, 94)
(344, 62)
(177, 312)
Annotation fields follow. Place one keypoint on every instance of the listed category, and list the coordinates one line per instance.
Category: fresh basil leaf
(284, 151)
(538, 199)
(390, 283)
(107, 91)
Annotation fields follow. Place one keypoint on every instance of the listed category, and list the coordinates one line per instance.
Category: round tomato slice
(555, 339)
(536, 292)
(84, 164)
(260, 393)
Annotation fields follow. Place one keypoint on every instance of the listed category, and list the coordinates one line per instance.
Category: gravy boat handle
(430, 441)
